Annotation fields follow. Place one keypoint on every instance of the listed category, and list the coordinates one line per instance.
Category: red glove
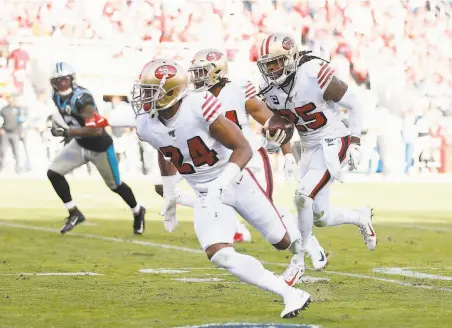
(96, 121)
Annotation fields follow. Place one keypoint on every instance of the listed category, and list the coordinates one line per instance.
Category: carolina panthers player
(90, 143)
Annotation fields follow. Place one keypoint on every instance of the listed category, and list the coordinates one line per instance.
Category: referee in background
(12, 118)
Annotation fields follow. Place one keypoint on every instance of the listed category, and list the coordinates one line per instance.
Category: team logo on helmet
(165, 70)
(211, 56)
(287, 43)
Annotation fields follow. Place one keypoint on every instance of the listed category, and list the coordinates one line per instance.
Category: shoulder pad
(314, 66)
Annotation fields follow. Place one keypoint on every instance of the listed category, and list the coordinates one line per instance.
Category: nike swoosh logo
(322, 258)
(371, 230)
(291, 282)
(74, 222)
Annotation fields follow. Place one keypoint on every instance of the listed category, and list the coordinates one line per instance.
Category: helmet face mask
(278, 60)
(62, 84)
(62, 79)
(200, 77)
(208, 68)
(161, 84)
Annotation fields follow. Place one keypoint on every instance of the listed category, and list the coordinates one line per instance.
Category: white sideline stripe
(53, 274)
(397, 282)
(421, 227)
(197, 251)
(117, 240)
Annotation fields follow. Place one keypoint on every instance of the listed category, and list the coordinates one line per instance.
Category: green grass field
(413, 222)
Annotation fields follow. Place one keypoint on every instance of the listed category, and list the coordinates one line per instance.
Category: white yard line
(52, 274)
(421, 227)
(198, 251)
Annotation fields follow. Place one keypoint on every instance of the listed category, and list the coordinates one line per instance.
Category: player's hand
(169, 213)
(279, 136)
(354, 156)
(58, 131)
(291, 167)
(271, 147)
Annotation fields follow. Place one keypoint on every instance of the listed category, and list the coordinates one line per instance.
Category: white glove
(270, 146)
(169, 202)
(291, 167)
(354, 156)
(279, 136)
(169, 213)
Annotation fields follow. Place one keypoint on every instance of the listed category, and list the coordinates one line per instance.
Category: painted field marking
(199, 279)
(409, 273)
(419, 227)
(52, 274)
(198, 251)
(304, 279)
(164, 271)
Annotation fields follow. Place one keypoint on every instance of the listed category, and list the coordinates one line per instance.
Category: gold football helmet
(207, 68)
(278, 58)
(160, 85)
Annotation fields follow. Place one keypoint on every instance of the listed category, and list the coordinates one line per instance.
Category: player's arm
(340, 93)
(230, 136)
(166, 167)
(94, 123)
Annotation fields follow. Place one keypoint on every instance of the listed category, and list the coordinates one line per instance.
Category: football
(277, 122)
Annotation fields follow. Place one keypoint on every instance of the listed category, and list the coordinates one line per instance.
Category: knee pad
(224, 257)
(52, 175)
(319, 219)
(301, 200)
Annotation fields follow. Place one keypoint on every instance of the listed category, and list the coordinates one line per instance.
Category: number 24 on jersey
(199, 153)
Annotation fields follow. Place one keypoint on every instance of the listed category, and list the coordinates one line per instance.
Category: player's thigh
(253, 204)
(260, 166)
(214, 225)
(107, 164)
(317, 175)
(68, 159)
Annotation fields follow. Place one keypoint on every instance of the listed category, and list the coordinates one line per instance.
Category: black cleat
(138, 222)
(75, 217)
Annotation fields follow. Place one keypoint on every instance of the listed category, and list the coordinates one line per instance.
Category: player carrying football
(210, 152)
(302, 87)
(209, 71)
(90, 143)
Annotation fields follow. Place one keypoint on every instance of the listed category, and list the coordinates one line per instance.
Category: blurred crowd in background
(397, 54)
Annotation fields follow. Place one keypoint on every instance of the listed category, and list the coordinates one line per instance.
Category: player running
(90, 143)
(189, 129)
(302, 88)
(209, 71)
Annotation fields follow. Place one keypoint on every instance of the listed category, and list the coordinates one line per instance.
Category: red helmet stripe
(267, 44)
(262, 47)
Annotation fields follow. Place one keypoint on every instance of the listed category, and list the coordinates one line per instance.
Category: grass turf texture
(413, 222)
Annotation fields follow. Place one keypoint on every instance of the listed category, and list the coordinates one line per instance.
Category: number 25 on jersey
(304, 119)
(199, 153)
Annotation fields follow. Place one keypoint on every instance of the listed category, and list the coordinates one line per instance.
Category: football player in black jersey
(90, 143)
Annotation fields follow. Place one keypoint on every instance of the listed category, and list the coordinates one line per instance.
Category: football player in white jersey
(302, 88)
(209, 71)
(192, 135)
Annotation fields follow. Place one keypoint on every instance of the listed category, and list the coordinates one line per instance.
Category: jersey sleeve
(211, 108)
(250, 90)
(322, 71)
(84, 100)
